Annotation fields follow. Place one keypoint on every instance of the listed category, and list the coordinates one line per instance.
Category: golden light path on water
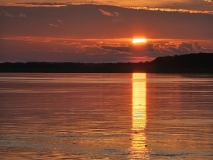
(138, 147)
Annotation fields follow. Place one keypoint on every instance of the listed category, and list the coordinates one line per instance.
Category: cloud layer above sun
(192, 6)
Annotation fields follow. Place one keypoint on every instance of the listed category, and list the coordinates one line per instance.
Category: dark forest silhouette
(187, 63)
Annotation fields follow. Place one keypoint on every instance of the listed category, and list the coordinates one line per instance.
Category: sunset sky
(102, 30)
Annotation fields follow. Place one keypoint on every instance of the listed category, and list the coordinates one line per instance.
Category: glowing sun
(139, 40)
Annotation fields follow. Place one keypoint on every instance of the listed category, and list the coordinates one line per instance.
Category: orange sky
(103, 33)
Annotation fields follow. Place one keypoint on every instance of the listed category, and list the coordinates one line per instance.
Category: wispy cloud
(60, 21)
(56, 24)
(9, 15)
(174, 10)
(106, 13)
(22, 15)
(6, 14)
(38, 4)
(53, 25)
(54, 40)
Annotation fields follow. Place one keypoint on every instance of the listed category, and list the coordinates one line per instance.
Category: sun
(138, 40)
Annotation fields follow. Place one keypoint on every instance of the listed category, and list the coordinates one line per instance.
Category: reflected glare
(138, 115)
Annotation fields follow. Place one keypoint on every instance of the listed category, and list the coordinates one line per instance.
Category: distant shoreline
(187, 63)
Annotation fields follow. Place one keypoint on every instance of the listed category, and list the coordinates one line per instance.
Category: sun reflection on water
(138, 148)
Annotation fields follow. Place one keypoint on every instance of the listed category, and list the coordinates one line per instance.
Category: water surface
(106, 116)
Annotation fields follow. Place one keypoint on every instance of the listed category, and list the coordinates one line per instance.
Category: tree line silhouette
(186, 63)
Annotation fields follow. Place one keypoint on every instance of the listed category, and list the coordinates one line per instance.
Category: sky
(102, 31)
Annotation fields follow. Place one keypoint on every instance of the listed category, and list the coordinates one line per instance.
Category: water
(106, 116)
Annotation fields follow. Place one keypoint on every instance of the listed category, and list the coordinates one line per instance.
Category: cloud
(175, 10)
(7, 14)
(53, 25)
(130, 48)
(60, 21)
(159, 48)
(208, 1)
(94, 50)
(118, 48)
(22, 15)
(38, 4)
(66, 41)
(180, 48)
(106, 13)
(116, 14)
(186, 47)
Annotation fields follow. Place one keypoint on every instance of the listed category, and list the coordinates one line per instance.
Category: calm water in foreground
(106, 116)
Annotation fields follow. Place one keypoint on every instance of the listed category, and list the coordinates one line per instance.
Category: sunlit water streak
(139, 115)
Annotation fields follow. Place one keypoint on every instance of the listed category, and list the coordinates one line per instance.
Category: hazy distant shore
(187, 63)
